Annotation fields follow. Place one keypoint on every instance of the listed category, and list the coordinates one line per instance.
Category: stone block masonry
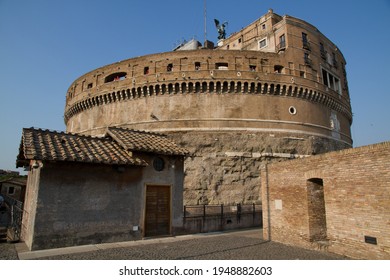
(224, 167)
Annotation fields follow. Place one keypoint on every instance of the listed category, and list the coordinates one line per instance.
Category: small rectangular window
(305, 41)
(370, 240)
(282, 43)
(197, 66)
(325, 77)
(263, 43)
(322, 51)
(11, 190)
(252, 68)
(307, 59)
(222, 66)
(331, 81)
(304, 37)
(170, 67)
(146, 70)
(278, 68)
(89, 85)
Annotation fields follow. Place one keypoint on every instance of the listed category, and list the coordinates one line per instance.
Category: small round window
(158, 164)
(292, 110)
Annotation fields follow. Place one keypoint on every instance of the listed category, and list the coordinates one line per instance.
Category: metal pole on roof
(205, 21)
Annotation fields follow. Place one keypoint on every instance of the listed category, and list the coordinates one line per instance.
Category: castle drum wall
(231, 107)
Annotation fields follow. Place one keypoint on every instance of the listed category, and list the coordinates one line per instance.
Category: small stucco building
(14, 188)
(85, 190)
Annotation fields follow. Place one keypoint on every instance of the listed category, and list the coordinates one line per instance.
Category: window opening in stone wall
(282, 43)
(307, 59)
(197, 66)
(146, 70)
(204, 87)
(11, 190)
(169, 67)
(252, 88)
(225, 87)
(197, 87)
(334, 60)
(305, 41)
(119, 76)
(232, 87)
(331, 81)
(211, 87)
(252, 68)
(316, 209)
(163, 89)
(222, 65)
(238, 86)
(246, 87)
(325, 77)
(218, 87)
(278, 68)
(190, 87)
(322, 51)
(170, 88)
(263, 27)
(89, 85)
(177, 88)
(263, 43)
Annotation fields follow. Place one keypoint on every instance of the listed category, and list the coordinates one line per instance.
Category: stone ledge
(261, 155)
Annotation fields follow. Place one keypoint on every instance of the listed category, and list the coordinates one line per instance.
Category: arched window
(119, 76)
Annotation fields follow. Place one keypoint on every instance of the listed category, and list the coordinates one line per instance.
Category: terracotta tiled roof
(60, 146)
(142, 141)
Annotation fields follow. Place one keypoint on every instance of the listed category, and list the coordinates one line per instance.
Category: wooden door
(158, 210)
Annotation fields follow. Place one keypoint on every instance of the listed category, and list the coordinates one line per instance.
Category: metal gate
(15, 210)
(158, 210)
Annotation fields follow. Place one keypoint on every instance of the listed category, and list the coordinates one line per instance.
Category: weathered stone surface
(224, 167)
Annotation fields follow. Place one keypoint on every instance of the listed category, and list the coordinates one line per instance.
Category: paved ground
(245, 244)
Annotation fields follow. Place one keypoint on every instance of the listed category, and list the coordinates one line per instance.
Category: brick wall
(339, 201)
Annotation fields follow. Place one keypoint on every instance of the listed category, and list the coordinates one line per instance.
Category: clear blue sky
(46, 44)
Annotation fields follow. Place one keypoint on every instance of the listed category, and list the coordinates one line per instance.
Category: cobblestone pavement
(7, 251)
(247, 245)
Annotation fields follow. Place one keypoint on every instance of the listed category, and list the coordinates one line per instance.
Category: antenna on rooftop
(205, 20)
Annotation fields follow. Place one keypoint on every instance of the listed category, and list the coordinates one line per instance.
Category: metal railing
(15, 207)
(281, 46)
(221, 210)
(308, 61)
(306, 45)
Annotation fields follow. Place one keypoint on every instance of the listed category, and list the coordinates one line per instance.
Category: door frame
(144, 207)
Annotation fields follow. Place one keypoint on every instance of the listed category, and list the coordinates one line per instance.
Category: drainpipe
(268, 202)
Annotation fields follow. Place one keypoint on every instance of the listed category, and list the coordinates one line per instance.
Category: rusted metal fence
(222, 211)
(15, 208)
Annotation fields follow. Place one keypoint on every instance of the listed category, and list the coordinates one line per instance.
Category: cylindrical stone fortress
(277, 89)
